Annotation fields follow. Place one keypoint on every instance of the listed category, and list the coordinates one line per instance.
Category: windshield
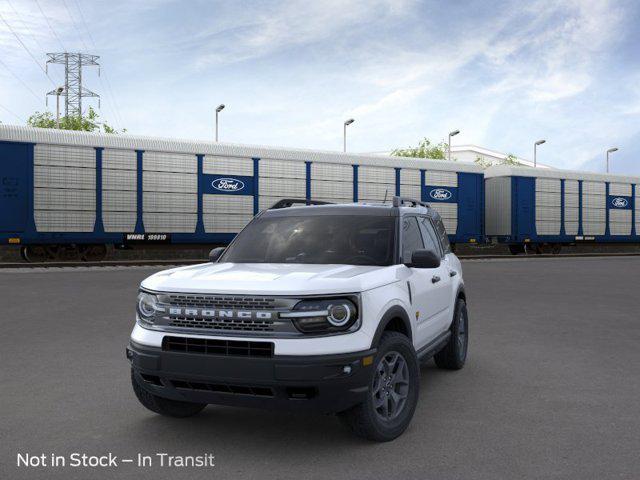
(324, 239)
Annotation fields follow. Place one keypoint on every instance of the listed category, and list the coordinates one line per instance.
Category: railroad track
(180, 262)
(105, 263)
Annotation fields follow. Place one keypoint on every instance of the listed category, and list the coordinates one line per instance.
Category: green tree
(87, 123)
(510, 159)
(425, 149)
(482, 162)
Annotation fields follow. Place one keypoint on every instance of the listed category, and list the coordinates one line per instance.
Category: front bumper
(323, 383)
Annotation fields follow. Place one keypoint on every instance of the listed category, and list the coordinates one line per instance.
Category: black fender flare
(395, 311)
(460, 294)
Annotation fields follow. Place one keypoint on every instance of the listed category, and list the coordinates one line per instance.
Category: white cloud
(253, 33)
(291, 72)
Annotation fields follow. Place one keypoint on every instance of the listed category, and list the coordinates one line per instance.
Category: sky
(505, 73)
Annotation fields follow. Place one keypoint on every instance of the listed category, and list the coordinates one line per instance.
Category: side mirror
(215, 254)
(424, 259)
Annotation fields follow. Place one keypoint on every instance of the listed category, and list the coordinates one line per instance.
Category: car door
(428, 298)
(444, 286)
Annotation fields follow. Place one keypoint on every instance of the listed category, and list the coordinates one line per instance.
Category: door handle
(435, 279)
(453, 273)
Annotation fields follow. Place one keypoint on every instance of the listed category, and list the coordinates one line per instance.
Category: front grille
(239, 315)
(224, 388)
(206, 346)
(222, 301)
(222, 324)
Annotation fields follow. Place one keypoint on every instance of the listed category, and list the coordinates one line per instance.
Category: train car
(540, 210)
(67, 193)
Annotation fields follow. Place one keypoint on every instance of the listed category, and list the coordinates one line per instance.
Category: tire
(164, 406)
(368, 419)
(454, 354)
(93, 253)
(515, 249)
(546, 249)
(35, 253)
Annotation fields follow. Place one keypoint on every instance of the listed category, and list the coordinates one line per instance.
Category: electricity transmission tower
(73, 89)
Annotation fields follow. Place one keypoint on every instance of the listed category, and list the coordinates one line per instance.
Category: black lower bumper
(327, 383)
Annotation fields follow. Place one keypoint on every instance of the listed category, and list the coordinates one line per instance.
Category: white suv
(322, 307)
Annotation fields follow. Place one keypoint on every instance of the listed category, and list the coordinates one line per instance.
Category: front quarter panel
(378, 301)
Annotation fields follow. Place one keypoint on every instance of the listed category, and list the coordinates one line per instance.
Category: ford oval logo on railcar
(620, 202)
(440, 194)
(227, 184)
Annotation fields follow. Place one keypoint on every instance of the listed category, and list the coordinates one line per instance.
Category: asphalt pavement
(551, 388)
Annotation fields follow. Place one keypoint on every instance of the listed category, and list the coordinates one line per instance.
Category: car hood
(271, 278)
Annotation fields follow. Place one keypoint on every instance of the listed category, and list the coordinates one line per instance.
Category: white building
(469, 154)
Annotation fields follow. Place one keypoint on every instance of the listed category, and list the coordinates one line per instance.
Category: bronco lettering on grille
(212, 313)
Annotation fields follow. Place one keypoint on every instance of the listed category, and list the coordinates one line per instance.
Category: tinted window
(411, 238)
(442, 233)
(430, 238)
(323, 239)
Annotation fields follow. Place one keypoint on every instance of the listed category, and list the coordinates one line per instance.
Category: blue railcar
(67, 192)
(543, 209)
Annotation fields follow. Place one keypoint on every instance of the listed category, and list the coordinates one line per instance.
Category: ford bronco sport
(314, 307)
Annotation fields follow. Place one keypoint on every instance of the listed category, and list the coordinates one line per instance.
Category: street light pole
(219, 108)
(451, 134)
(344, 133)
(59, 90)
(535, 152)
(611, 150)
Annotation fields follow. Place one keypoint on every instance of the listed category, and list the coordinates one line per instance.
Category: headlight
(330, 315)
(147, 306)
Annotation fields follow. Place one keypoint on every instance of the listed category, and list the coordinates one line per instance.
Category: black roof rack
(290, 202)
(408, 202)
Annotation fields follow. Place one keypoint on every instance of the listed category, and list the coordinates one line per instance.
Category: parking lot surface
(551, 388)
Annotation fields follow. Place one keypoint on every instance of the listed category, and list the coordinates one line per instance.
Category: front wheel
(392, 395)
(454, 354)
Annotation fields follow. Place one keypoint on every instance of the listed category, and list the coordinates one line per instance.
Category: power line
(20, 80)
(113, 98)
(26, 27)
(12, 113)
(50, 27)
(85, 23)
(27, 49)
(110, 97)
(73, 22)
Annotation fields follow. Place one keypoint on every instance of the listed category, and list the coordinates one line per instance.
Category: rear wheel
(543, 249)
(516, 248)
(164, 406)
(35, 253)
(392, 395)
(93, 253)
(454, 355)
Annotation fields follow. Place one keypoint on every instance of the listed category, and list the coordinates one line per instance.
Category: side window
(442, 233)
(411, 238)
(430, 238)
